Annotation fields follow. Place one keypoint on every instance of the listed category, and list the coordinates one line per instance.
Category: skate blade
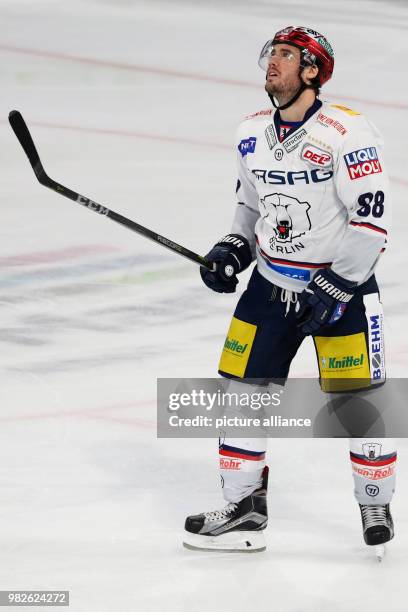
(235, 541)
(380, 552)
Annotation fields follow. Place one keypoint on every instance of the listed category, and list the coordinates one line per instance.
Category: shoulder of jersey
(343, 118)
(252, 125)
(260, 115)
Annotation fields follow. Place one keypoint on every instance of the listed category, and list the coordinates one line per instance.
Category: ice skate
(378, 527)
(236, 528)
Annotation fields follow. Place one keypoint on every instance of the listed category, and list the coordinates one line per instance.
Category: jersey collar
(294, 125)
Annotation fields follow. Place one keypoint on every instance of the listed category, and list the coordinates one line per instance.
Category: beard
(283, 90)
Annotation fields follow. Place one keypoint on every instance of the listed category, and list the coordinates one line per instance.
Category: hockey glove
(232, 254)
(324, 301)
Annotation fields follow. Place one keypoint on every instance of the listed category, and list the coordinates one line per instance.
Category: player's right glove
(232, 254)
(324, 301)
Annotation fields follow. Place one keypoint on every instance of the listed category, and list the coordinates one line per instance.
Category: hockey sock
(373, 462)
(242, 460)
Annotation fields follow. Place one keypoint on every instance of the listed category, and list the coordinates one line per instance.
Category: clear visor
(284, 54)
(270, 50)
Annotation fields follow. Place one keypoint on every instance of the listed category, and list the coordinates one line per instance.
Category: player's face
(282, 75)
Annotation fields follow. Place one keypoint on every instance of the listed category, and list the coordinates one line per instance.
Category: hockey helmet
(314, 48)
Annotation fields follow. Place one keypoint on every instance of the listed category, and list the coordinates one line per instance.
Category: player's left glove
(231, 255)
(324, 301)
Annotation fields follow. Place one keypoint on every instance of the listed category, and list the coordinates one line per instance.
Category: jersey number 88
(367, 205)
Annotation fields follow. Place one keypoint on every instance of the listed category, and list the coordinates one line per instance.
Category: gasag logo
(282, 177)
(362, 163)
(316, 156)
(247, 145)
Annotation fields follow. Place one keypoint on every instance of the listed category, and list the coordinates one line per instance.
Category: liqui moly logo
(362, 163)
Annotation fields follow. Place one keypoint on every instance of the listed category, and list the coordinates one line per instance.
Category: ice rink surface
(135, 105)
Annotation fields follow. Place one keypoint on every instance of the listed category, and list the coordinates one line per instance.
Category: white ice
(135, 104)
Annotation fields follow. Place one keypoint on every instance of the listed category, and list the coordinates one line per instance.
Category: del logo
(316, 156)
(362, 163)
(345, 362)
(247, 145)
(234, 345)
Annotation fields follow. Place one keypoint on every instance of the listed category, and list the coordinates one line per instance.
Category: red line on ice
(155, 137)
(130, 134)
(39, 257)
(174, 73)
(91, 413)
(104, 63)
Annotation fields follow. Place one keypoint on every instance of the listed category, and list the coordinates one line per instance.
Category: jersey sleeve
(363, 187)
(247, 209)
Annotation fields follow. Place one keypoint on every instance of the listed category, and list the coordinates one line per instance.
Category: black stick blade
(21, 130)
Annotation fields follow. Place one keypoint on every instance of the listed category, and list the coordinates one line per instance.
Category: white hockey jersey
(320, 198)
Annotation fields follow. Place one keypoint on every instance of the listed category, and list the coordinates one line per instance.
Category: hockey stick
(25, 139)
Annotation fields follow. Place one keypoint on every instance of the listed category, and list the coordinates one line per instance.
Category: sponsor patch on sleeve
(362, 163)
(247, 145)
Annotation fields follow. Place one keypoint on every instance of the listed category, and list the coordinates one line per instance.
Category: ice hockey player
(312, 209)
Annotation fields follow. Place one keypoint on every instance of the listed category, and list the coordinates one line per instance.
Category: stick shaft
(24, 137)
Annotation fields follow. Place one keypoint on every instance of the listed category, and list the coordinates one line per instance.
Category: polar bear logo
(288, 217)
(372, 450)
